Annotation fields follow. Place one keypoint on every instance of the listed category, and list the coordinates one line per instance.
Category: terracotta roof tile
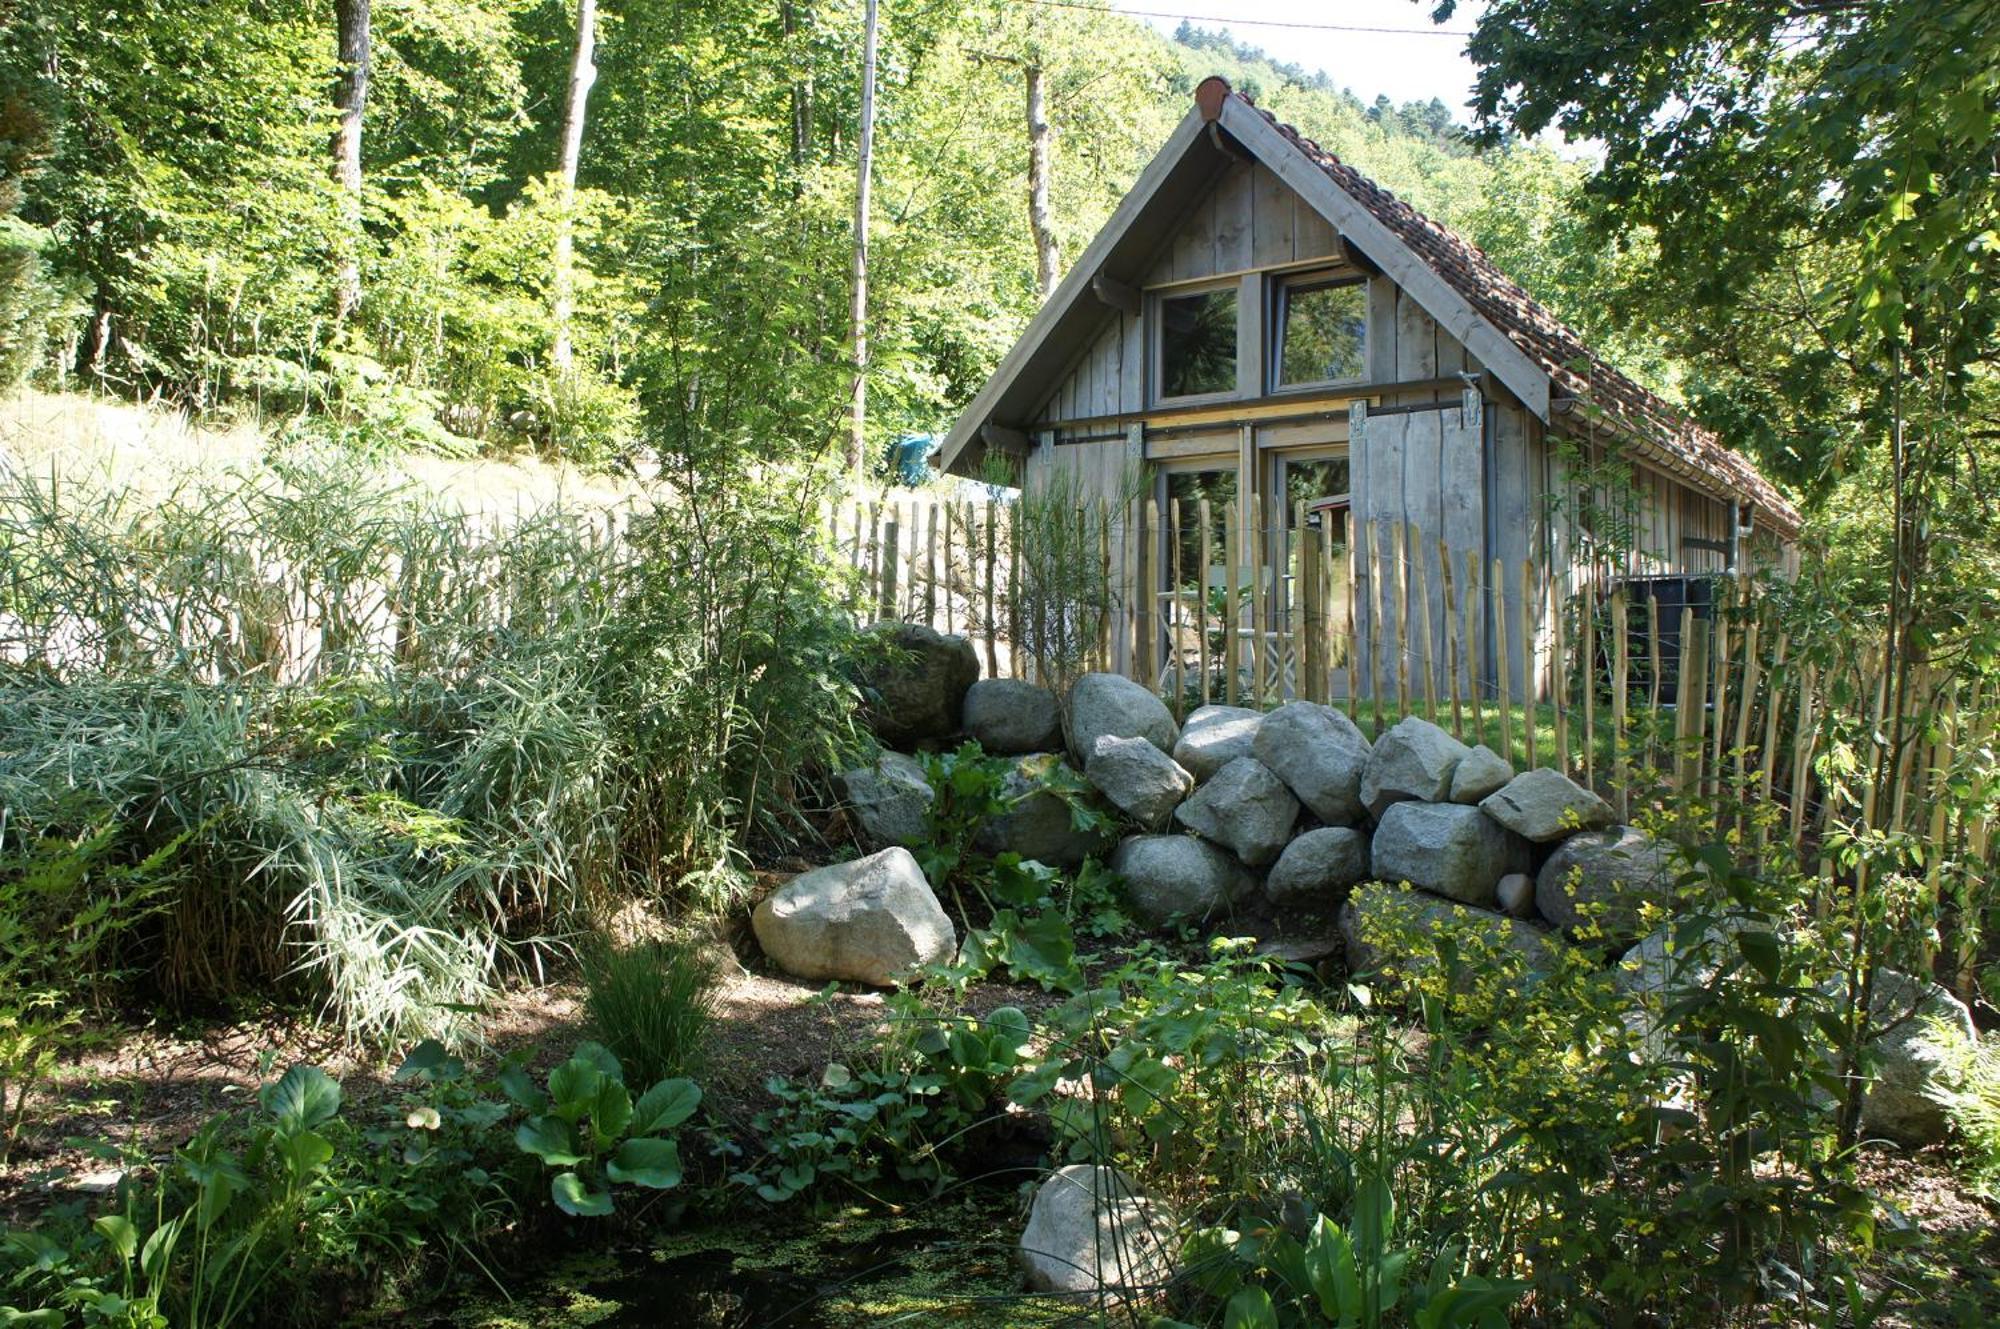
(1663, 433)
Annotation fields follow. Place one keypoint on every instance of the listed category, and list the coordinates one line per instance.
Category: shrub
(652, 1003)
(1970, 1094)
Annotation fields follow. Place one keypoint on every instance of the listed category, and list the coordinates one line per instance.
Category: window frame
(1278, 301)
(1156, 342)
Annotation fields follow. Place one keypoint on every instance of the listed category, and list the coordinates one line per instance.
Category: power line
(1246, 22)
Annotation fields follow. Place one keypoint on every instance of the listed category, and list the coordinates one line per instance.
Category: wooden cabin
(1262, 327)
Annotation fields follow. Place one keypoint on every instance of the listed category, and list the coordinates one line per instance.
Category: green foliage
(588, 1125)
(968, 789)
(652, 1003)
(1969, 1089)
(398, 745)
(264, 1210)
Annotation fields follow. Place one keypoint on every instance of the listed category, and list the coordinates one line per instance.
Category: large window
(1322, 332)
(1198, 343)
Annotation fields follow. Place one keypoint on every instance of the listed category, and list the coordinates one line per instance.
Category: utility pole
(582, 73)
(857, 446)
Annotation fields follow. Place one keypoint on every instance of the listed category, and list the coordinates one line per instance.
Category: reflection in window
(1189, 488)
(1309, 481)
(1322, 332)
(1198, 343)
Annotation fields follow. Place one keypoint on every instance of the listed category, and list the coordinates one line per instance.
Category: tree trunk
(350, 98)
(1048, 256)
(797, 17)
(857, 447)
(582, 73)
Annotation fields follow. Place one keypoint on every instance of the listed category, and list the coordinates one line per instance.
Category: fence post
(1204, 518)
(1421, 603)
(1560, 680)
(1502, 662)
(1174, 614)
(1312, 680)
(1017, 657)
(1472, 610)
(1621, 648)
(1530, 662)
(992, 617)
(1230, 683)
(886, 605)
(1452, 644)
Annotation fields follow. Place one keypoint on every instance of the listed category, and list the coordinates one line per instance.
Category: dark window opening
(1322, 332)
(1198, 344)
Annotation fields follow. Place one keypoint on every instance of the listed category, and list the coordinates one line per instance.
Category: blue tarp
(909, 457)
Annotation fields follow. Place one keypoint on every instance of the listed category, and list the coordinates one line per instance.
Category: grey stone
(1038, 824)
(1010, 717)
(1101, 704)
(1543, 805)
(1320, 756)
(1676, 958)
(1244, 807)
(917, 688)
(1515, 894)
(1596, 882)
(1909, 1064)
(1414, 760)
(1214, 736)
(1318, 869)
(1387, 925)
(890, 801)
(1140, 780)
(1447, 849)
(1178, 876)
(1480, 772)
(1090, 1231)
(868, 921)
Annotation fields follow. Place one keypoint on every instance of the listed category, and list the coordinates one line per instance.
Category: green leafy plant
(587, 1125)
(652, 1003)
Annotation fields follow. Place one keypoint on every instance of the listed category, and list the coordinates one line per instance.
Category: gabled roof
(1541, 361)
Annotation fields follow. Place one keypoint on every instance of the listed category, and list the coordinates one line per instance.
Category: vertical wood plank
(1504, 657)
(992, 627)
(1231, 686)
(1561, 677)
(1177, 615)
(1353, 531)
(886, 606)
(1804, 736)
(1149, 581)
(1421, 597)
(1472, 614)
(1104, 586)
(1528, 689)
(1207, 521)
(1260, 597)
(1375, 573)
(1399, 587)
(1017, 657)
(1312, 596)
(1451, 641)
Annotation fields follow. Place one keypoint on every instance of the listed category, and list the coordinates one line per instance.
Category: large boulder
(1909, 1065)
(1317, 870)
(1214, 736)
(1480, 772)
(1595, 883)
(868, 921)
(1244, 807)
(1543, 805)
(1140, 780)
(916, 688)
(889, 801)
(1320, 756)
(1447, 849)
(1010, 717)
(1414, 760)
(1111, 704)
(1089, 1231)
(1178, 876)
(1390, 926)
(1037, 824)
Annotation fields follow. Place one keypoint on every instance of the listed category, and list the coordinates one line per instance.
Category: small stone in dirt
(1480, 772)
(1009, 717)
(1214, 736)
(1178, 876)
(890, 801)
(1245, 808)
(1101, 704)
(1447, 849)
(1543, 805)
(1140, 780)
(1414, 760)
(1320, 756)
(869, 921)
(1089, 1229)
(1515, 894)
(1318, 869)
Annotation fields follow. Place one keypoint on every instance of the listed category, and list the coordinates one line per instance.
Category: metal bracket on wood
(1472, 406)
(1357, 421)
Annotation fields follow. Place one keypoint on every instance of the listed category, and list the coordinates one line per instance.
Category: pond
(948, 1261)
